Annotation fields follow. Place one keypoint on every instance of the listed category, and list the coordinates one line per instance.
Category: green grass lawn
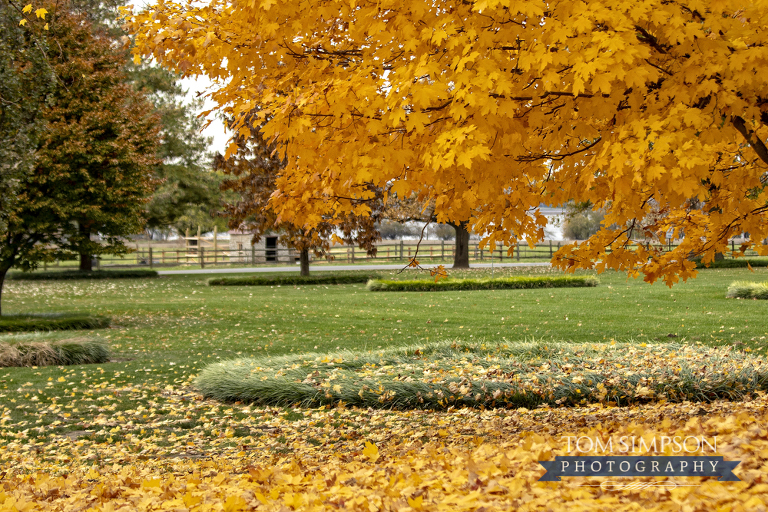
(165, 330)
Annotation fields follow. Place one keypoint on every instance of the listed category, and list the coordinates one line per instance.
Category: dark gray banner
(638, 465)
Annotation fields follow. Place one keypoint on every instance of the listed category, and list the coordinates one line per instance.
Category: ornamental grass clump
(56, 353)
(453, 374)
(501, 283)
(747, 290)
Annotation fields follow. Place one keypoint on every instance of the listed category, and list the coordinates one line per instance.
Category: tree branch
(751, 137)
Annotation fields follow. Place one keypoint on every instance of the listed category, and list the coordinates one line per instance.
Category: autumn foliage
(653, 110)
(252, 176)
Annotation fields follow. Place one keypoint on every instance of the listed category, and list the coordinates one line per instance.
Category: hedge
(52, 322)
(54, 275)
(734, 263)
(288, 280)
(503, 283)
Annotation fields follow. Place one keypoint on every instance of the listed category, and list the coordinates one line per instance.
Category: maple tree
(254, 170)
(93, 158)
(490, 109)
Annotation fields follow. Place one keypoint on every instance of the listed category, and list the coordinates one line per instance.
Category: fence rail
(400, 251)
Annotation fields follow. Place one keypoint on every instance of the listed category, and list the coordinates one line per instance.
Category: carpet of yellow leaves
(456, 460)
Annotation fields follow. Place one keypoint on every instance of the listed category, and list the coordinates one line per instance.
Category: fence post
(150, 257)
(733, 246)
(353, 254)
(401, 249)
(215, 245)
(202, 257)
(442, 250)
(517, 247)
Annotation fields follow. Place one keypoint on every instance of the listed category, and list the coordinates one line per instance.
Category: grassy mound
(747, 290)
(734, 263)
(52, 322)
(441, 375)
(502, 283)
(77, 274)
(290, 280)
(57, 353)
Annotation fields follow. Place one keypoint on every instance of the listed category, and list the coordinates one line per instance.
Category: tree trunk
(461, 257)
(86, 262)
(3, 272)
(304, 259)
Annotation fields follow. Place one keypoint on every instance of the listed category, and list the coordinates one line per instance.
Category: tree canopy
(93, 156)
(252, 174)
(647, 108)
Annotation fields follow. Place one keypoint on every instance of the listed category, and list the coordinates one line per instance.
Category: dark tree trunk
(3, 272)
(461, 256)
(304, 260)
(86, 263)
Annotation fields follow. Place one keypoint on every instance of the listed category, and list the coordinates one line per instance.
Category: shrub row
(443, 375)
(52, 322)
(65, 352)
(503, 283)
(734, 263)
(747, 290)
(289, 280)
(77, 274)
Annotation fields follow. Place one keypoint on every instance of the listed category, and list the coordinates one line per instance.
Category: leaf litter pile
(186, 452)
(356, 459)
(452, 374)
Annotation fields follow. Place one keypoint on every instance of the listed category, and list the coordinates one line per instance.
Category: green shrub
(77, 274)
(734, 263)
(64, 352)
(442, 375)
(747, 290)
(52, 322)
(289, 280)
(503, 283)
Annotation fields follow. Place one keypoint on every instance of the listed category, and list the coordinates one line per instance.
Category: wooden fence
(429, 251)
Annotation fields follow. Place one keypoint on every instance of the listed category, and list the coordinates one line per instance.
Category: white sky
(216, 128)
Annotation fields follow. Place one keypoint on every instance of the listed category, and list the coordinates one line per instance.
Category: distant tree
(188, 191)
(393, 230)
(254, 169)
(410, 208)
(94, 159)
(581, 222)
(443, 231)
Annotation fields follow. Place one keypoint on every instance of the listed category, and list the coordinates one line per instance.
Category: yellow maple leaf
(27, 8)
(23, 22)
(41, 12)
(416, 503)
(371, 451)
